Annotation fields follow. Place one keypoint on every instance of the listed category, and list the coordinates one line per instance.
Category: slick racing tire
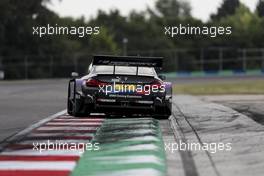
(74, 104)
(76, 110)
(162, 113)
(162, 116)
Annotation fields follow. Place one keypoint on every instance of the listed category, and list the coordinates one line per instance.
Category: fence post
(26, 67)
(202, 59)
(244, 59)
(175, 54)
(125, 41)
(262, 68)
(221, 59)
(75, 63)
(51, 66)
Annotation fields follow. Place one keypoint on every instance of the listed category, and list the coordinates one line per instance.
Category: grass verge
(245, 87)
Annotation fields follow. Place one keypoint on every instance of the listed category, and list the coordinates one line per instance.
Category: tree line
(144, 30)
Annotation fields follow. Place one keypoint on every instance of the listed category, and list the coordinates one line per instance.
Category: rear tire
(162, 113)
(69, 100)
(77, 108)
(69, 108)
(162, 117)
(74, 105)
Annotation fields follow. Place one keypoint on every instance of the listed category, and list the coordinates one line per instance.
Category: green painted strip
(127, 147)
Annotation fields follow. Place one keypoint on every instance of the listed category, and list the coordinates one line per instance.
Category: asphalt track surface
(137, 146)
(23, 103)
(249, 105)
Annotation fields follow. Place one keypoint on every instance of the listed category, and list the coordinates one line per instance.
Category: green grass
(247, 87)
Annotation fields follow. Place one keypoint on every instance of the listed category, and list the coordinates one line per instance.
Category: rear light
(156, 83)
(94, 83)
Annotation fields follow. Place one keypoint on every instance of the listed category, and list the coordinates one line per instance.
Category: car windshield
(124, 70)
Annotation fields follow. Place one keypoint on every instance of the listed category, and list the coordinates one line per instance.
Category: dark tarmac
(23, 103)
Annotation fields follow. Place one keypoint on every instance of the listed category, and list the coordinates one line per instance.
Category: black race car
(121, 85)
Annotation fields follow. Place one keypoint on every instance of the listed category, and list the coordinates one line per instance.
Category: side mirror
(162, 77)
(74, 75)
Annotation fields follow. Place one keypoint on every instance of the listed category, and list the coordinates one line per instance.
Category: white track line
(77, 120)
(30, 152)
(59, 134)
(73, 123)
(39, 165)
(75, 141)
(51, 128)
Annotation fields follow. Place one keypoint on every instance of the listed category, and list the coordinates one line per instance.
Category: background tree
(103, 43)
(173, 8)
(228, 7)
(260, 8)
(144, 31)
(246, 29)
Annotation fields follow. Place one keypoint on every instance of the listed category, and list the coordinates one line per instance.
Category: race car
(121, 85)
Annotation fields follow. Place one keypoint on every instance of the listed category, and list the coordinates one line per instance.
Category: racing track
(23, 103)
(133, 146)
(137, 146)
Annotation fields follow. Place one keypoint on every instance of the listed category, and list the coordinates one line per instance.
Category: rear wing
(136, 61)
